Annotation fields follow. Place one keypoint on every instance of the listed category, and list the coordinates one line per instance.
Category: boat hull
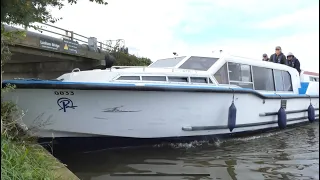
(84, 144)
(157, 113)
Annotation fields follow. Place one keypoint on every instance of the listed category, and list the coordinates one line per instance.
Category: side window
(246, 74)
(222, 75)
(177, 79)
(129, 78)
(278, 80)
(239, 72)
(263, 78)
(311, 78)
(199, 80)
(314, 79)
(234, 72)
(240, 75)
(287, 81)
(153, 78)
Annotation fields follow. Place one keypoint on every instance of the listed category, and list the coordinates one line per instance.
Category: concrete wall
(44, 57)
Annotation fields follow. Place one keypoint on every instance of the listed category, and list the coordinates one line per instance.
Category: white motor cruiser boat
(188, 97)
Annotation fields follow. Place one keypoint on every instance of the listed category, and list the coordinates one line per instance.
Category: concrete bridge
(47, 57)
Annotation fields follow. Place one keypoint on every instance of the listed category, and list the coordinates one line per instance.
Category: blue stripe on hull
(304, 87)
(39, 84)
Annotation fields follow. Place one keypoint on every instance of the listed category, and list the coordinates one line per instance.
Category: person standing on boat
(278, 56)
(293, 62)
(265, 57)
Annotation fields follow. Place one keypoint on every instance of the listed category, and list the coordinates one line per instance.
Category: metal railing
(71, 35)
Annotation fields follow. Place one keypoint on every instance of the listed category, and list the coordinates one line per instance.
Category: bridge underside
(37, 63)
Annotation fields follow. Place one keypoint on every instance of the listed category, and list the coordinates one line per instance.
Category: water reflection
(289, 154)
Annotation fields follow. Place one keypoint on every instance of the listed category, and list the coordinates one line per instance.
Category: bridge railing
(71, 35)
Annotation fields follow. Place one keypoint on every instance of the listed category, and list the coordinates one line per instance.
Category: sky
(248, 28)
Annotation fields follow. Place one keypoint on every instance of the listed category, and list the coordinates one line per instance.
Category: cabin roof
(162, 70)
(235, 59)
(259, 63)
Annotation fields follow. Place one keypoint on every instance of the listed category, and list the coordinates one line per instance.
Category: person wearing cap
(278, 56)
(265, 57)
(293, 62)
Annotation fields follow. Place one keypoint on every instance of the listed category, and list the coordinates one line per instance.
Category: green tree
(124, 59)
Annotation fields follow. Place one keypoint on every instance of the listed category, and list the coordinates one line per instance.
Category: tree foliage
(123, 59)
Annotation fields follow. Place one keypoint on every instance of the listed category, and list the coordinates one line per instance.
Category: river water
(289, 154)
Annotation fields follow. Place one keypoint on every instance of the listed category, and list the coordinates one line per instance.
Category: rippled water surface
(289, 154)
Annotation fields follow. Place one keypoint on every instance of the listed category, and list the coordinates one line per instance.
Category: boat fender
(110, 60)
(232, 117)
(282, 118)
(311, 113)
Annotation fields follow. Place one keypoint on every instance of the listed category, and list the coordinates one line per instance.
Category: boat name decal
(65, 103)
(117, 109)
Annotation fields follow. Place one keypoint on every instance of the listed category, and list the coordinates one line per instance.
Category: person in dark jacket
(293, 62)
(278, 56)
(265, 57)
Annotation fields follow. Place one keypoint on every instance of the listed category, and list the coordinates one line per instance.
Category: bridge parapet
(39, 55)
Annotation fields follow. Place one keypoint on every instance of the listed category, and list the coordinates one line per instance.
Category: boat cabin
(240, 72)
(230, 71)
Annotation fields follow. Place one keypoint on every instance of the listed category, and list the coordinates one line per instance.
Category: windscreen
(198, 63)
(169, 62)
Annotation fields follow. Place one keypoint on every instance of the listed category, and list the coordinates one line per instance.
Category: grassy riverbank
(21, 157)
(20, 160)
(27, 160)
